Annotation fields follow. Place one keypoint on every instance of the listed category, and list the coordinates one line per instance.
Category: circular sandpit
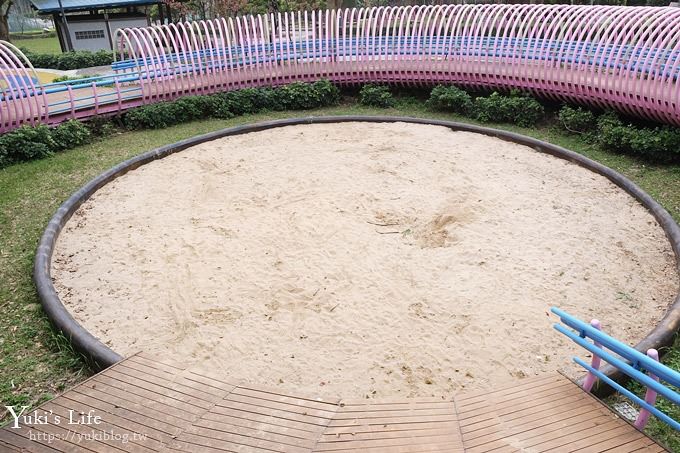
(354, 259)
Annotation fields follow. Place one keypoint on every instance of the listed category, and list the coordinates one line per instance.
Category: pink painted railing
(623, 58)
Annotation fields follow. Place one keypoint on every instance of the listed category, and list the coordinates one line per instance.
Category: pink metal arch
(621, 58)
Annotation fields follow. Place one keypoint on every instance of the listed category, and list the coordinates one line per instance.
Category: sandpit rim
(101, 356)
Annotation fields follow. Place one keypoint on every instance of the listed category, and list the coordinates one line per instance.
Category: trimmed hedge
(661, 143)
(35, 142)
(576, 120)
(70, 134)
(296, 96)
(376, 96)
(32, 35)
(69, 60)
(514, 109)
(71, 80)
(449, 99)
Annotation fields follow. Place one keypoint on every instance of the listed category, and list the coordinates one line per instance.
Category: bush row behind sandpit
(608, 131)
(35, 142)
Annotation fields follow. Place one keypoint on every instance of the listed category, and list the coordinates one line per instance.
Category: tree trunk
(5, 5)
(4, 27)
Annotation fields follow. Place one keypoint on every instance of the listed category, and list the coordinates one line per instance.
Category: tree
(5, 6)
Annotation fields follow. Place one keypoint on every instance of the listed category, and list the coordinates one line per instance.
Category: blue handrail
(633, 397)
(601, 346)
(638, 359)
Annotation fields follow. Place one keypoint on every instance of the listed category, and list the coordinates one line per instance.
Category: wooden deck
(150, 406)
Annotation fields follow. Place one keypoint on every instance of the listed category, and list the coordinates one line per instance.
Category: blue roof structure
(52, 6)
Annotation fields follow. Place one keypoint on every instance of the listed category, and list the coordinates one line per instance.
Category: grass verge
(39, 45)
(36, 363)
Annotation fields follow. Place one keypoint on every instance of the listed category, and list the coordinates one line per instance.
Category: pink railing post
(590, 379)
(650, 396)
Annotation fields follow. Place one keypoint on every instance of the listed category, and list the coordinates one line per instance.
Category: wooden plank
(220, 384)
(282, 405)
(597, 445)
(556, 396)
(170, 404)
(75, 399)
(263, 417)
(108, 399)
(198, 397)
(112, 423)
(63, 440)
(182, 410)
(271, 412)
(389, 434)
(11, 437)
(411, 412)
(529, 396)
(232, 442)
(590, 439)
(384, 428)
(500, 427)
(162, 374)
(575, 433)
(361, 401)
(543, 389)
(644, 444)
(163, 388)
(364, 444)
(262, 431)
(526, 436)
(262, 425)
(124, 398)
(8, 448)
(446, 447)
(522, 410)
(385, 421)
(159, 360)
(154, 362)
(405, 404)
(314, 400)
(511, 387)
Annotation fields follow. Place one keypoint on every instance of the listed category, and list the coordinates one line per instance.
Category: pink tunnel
(607, 57)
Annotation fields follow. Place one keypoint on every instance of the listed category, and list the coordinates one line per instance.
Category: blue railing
(644, 369)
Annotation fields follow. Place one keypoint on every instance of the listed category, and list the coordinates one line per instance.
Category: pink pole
(650, 396)
(590, 379)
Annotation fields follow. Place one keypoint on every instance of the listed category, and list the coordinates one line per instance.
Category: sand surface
(362, 259)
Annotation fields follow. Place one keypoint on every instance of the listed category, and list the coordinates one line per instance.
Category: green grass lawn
(39, 45)
(37, 363)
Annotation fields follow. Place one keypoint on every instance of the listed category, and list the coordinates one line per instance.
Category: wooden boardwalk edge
(143, 404)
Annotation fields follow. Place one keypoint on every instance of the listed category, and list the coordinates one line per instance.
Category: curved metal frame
(622, 58)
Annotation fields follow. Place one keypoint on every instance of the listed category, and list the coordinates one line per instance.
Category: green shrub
(155, 116)
(245, 101)
(659, 143)
(449, 99)
(71, 80)
(576, 120)
(521, 110)
(296, 96)
(70, 60)
(376, 96)
(100, 126)
(328, 93)
(26, 143)
(70, 134)
(612, 134)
